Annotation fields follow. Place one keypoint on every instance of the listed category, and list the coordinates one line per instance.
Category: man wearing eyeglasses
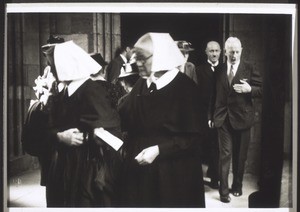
(161, 115)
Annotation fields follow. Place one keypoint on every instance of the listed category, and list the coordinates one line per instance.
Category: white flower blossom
(43, 85)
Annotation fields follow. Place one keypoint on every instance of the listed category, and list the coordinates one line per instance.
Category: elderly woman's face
(144, 62)
(48, 52)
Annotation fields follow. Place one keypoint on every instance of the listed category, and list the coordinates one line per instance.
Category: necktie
(230, 75)
(127, 68)
(212, 68)
(65, 92)
(152, 87)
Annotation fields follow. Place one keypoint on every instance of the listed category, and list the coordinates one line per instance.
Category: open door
(195, 28)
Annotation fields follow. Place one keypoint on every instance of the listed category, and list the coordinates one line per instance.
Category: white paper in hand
(109, 138)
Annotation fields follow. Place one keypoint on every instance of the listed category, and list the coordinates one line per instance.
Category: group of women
(157, 166)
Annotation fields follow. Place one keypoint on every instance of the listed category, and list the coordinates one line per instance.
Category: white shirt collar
(74, 85)
(235, 67)
(164, 80)
(213, 64)
(124, 58)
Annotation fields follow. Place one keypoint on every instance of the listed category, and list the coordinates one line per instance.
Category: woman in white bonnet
(76, 176)
(161, 116)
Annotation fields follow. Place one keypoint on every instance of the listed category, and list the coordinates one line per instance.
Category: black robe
(169, 118)
(207, 89)
(86, 175)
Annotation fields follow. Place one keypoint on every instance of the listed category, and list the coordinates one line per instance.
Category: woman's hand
(148, 155)
(71, 137)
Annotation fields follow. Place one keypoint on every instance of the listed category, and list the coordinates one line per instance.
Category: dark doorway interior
(195, 28)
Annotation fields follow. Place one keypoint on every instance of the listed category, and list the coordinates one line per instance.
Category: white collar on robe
(164, 80)
(99, 77)
(123, 58)
(73, 86)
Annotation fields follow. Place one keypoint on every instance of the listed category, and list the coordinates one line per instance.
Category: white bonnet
(166, 55)
(73, 63)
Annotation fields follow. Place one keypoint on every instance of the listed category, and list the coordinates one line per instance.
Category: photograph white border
(224, 8)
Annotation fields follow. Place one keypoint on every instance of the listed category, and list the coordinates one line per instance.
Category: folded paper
(109, 138)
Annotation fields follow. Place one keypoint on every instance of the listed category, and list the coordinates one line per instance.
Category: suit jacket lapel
(208, 71)
(237, 76)
(225, 78)
(242, 73)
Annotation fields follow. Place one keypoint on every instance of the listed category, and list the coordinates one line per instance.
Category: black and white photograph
(150, 106)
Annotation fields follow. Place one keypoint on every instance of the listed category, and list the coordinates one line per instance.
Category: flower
(43, 85)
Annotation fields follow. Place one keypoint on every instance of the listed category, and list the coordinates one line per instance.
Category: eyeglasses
(142, 59)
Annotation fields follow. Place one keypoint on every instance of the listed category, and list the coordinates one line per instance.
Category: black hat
(184, 46)
(51, 42)
(55, 39)
(99, 59)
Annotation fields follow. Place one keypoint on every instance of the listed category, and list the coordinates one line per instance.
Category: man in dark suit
(236, 85)
(123, 55)
(122, 61)
(206, 78)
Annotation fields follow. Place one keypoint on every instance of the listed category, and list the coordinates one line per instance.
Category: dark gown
(169, 118)
(87, 175)
(207, 89)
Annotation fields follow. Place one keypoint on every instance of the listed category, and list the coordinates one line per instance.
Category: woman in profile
(81, 169)
(161, 116)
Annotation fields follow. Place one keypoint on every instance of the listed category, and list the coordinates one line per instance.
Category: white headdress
(166, 55)
(72, 62)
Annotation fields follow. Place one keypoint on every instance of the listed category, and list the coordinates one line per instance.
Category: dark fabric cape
(34, 130)
(37, 138)
(169, 118)
(207, 89)
(74, 179)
